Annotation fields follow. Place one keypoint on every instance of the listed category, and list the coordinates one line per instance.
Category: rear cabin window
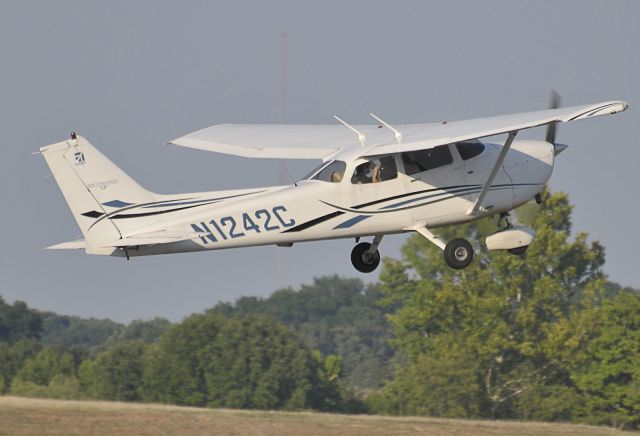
(332, 173)
(469, 149)
(374, 171)
(425, 160)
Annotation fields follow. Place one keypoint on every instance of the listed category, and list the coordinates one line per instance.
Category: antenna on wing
(396, 133)
(361, 136)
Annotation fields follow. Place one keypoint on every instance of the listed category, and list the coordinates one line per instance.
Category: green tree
(240, 362)
(50, 373)
(605, 364)
(147, 331)
(116, 374)
(441, 383)
(44, 366)
(334, 315)
(177, 367)
(73, 331)
(493, 322)
(12, 357)
(268, 367)
(18, 322)
(60, 387)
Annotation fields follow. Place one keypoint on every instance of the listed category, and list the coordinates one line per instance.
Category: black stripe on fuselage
(157, 212)
(314, 222)
(93, 214)
(396, 197)
(459, 189)
(117, 214)
(469, 189)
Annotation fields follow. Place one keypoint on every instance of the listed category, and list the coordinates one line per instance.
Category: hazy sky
(130, 75)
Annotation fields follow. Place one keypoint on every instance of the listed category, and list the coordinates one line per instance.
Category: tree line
(543, 336)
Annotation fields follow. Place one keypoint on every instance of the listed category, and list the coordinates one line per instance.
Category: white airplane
(374, 180)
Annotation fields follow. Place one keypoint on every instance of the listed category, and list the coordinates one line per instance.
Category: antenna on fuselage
(361, 136)
(396, 133)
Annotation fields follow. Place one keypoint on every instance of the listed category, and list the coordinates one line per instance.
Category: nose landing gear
(513, 239)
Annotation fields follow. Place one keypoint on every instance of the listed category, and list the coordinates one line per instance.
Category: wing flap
(256, 153)
(270, 141)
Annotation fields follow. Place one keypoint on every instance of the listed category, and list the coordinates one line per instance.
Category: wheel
(363, 261)
(458, 253)
(518, 250)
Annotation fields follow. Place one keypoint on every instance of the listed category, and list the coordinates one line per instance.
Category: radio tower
(282, 165)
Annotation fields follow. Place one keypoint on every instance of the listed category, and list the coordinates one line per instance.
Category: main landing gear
(365, 257)
(458, 253)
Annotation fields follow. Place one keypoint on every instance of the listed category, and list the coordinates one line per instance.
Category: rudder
(89, 181)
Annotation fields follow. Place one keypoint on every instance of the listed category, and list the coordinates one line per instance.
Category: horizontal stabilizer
(71, 245)
(154, 238)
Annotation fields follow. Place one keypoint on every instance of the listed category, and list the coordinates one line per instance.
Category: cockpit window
(469, 149)
(424, 160)
(315, 170)
(376, 170)
(331, 173)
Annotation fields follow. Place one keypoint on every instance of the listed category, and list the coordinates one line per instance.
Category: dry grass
(25, 416)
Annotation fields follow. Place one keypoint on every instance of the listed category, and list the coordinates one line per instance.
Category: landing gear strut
(505, 224)
(503, 221)
(365, 257)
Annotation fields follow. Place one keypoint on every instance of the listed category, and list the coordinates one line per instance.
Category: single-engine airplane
(374, 180)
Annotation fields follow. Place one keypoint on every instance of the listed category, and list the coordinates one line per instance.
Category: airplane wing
(270, 141)
(300, 141)
(419, 137)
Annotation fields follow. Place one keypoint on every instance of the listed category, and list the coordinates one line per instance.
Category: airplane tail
(92, 185)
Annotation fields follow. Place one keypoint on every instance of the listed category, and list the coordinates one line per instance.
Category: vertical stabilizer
(92, 185)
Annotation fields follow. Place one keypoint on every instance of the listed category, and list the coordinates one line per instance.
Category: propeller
(554, 103)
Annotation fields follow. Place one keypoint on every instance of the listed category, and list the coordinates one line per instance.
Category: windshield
(315, 170)
(328, 172)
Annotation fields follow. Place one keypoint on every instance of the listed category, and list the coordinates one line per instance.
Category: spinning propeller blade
(551, 129)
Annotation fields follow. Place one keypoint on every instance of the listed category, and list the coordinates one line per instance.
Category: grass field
(22, 416)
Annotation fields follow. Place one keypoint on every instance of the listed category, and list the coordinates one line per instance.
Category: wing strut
(496, 166)
(361, 136)
(396, 133)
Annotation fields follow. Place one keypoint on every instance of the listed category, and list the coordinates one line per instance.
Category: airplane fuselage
(316, 209)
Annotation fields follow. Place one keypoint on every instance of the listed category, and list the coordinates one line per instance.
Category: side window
(424, 160)
(376, 170)
(469, 149)
(332, 173)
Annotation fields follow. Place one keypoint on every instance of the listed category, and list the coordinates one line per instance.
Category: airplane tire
(518, 250)
(458, 253)
(362, 261)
